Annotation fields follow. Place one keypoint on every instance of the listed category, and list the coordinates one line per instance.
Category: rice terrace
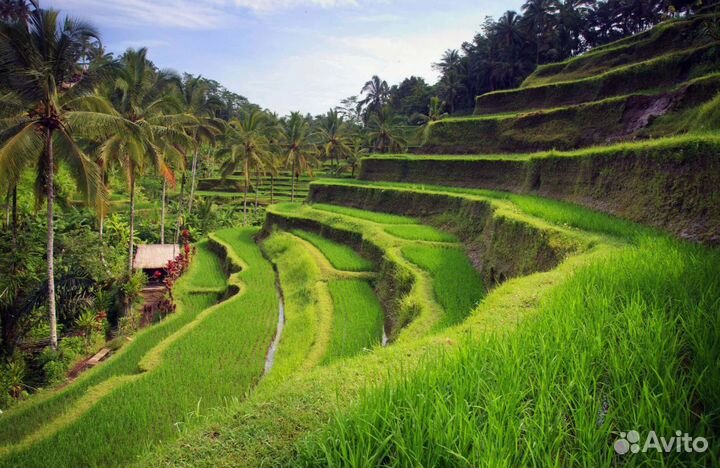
(499, 247)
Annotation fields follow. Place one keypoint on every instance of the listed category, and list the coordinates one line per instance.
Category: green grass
(660, 72)
(628, 342)
(38, 411)
(301, 345)
(357, 319)
(375, 217)
(208, 271)
(340, 256)
(672, 35)
(419, 232)
(457, 286)
(555, 211)
(213, 360)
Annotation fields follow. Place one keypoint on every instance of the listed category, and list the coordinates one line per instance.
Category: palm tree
(333, 136)
(435, 113)
(41, 65)
(142, 96)
(377, 94)
(508, 31)
(538, 14)
(357, 152)
(383, 134)
(248, 148)
(450, 61)
(16, 10)
(199, 102)
(299, 150)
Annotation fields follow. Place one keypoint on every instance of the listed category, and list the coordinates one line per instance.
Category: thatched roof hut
(154, 257)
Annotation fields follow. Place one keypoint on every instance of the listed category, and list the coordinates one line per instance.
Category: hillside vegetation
(541, 280)
(650, 84)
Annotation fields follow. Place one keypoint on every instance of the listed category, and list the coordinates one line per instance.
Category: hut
(153, 259)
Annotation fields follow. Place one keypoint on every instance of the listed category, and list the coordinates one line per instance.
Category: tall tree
(199, 101)
(247, 148)
(142, 95)
(334, 137)
(377, 94)
(538, 14)
(435, 112)
(41, 63)
(298, 148)
(383, 132)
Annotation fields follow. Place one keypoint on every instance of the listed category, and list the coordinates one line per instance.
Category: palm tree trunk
(162, 212)
(245, 204)
(192, 181)
(132, 221)
(50, 192)
(292, 191)
(257, 193)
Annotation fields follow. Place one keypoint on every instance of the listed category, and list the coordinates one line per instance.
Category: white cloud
(184, 14)
(266, 6)
(138, 43)
(318, 79)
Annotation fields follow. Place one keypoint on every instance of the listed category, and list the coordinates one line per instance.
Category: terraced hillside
(523, 328)
(492, 310)
(655, 83)
(270, 189)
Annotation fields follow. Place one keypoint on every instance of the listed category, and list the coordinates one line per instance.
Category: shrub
(12, 376)
(89, 325)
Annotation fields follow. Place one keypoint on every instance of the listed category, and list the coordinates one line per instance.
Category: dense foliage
(506, 50)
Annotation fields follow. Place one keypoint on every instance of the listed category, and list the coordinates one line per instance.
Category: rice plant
(357, 319)
(211, 361)
(627, 343)
(340, 256)
(456, 284)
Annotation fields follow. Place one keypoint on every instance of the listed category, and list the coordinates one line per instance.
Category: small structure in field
(153, 260)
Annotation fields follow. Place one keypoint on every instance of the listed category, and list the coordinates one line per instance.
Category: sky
(288, 55)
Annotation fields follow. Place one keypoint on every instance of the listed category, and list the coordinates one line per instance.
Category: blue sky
(288, 55)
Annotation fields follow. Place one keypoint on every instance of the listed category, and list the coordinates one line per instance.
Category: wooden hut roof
(154, 256)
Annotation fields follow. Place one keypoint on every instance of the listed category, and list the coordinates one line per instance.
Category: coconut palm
(199, 102)
(357, 152)
(41, 66)
(436, 111)
(247, 148)
(538, 14)
(298, 149)
(383, 132)
(142, 95)
(334, 138)
(377, 95)
(16, 10)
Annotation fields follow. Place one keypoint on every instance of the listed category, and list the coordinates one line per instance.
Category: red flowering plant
(175, 269)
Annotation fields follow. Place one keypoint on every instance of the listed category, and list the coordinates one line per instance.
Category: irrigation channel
(270, 359)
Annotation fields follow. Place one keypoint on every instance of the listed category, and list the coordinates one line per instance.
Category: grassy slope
(263, 430)
(457, 286)
(28, 417)
(217, 357)
(656, 73)
(628, 341)
(417, 307)
(554, 211)
(340, 256)
(669, 36)
(571, 126)
(357, 319)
